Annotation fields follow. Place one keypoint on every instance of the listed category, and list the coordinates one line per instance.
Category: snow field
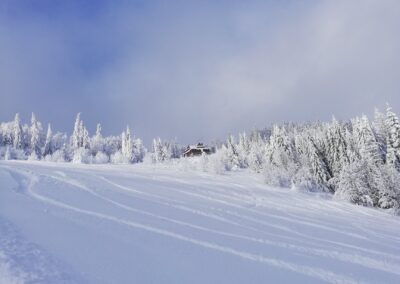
(66, 223)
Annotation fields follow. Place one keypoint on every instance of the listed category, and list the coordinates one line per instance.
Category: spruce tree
(36, 134)
(127, 147)
(17, 132)
(336, 147)
(48, 145)
(393, 138)
(76, 134)
(366, 143)
(381, 133)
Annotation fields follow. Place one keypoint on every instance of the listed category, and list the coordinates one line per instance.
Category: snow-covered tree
(256, 157)
(393, 138)
(353, 185)
(127, 146)
(139, 150)
(36, 132)
(380, 130)
(48, 145)
(231, 153)
(243, 150)
(80, 135)
(335, 147)
(97, 141)
(76, 134)
(161, 151)
(389, 195)
(17, 132)
(312, 159)
(280, 149)
(175, 149)
(364, 137)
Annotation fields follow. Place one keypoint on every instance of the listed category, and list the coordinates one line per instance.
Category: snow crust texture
(68, 223)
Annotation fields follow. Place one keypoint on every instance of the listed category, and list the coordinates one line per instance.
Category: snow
(69, 223)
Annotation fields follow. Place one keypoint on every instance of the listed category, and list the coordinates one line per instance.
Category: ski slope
(67, 223)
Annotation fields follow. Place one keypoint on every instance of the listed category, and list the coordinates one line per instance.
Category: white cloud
(198, 71)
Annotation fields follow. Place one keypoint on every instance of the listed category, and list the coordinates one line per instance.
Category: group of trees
(357, 160)
(165, 150)
(22, 141)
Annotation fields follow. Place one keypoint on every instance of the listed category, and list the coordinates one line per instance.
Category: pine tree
(365, 140)
(243, 149)
(48, 145)
(80, 135)
(127, 147)
(280, 150)
(256, 158)
(319, 169)
(155, 150)
(381, 133)
(353, 185)
(97, 142)
(98, 131)
(175, 149)
(36, 134)
(160, 151)
(389, 195)
(231, 153)
(393, 138)
(336, 148)
(84, 136)
(138, 151)
(76, 134)
(17, 132)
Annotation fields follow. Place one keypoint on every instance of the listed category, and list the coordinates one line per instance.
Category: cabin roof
(198, 146)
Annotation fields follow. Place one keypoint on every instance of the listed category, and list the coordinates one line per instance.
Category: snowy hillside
(68, 223)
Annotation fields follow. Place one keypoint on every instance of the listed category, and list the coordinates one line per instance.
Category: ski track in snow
(235, 216)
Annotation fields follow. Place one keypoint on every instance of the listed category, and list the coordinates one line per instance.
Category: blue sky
(197, 70)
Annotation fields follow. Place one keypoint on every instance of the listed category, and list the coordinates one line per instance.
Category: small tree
(127, 146)
(48, 145)
(36, 132)
(17, 132)
(393, 138)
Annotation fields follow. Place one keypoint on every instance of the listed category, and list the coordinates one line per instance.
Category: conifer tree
(127, 147)
(84, 136)
(393, 138)
(380, 130)
(97, 142)
(36, 133)
(48, 145)
(336, 148)
(365, 140)
(17, 132)
(243, 149)
(161, 152)
(76, 134)
(232, 153)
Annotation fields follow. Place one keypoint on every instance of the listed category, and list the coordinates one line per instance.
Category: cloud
(199, 70)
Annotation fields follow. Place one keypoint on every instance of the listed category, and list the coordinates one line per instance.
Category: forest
(356, 160)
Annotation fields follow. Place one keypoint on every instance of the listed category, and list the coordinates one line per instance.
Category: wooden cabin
(196, 150)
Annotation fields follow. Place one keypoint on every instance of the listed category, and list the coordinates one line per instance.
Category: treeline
(21, 141)
(357, 160)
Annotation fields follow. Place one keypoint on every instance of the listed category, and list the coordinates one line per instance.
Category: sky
(197, 70)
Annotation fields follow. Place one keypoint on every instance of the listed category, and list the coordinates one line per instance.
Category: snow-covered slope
(65, 223)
